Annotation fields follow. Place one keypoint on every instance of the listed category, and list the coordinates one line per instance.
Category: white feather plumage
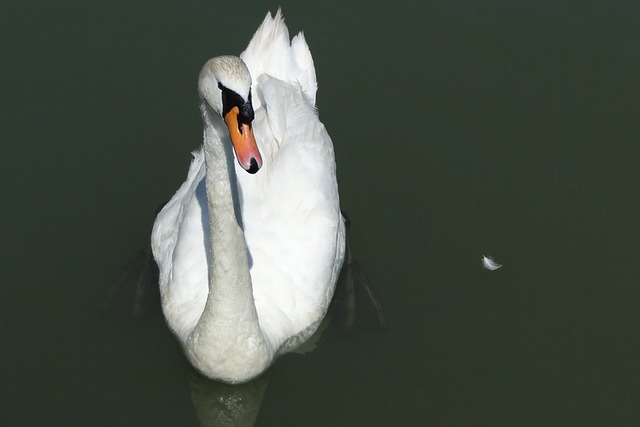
(291, 221)
(489, 263)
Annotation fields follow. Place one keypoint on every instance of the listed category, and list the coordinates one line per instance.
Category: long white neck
(227, 339)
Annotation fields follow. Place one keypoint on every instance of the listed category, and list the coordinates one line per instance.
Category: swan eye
(231, 99)
(246, 111)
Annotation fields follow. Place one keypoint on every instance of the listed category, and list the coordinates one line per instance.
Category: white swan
(249, 250)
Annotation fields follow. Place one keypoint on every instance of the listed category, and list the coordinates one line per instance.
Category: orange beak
(244, 143)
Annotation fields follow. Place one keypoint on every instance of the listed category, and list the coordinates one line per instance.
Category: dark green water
(461, 128)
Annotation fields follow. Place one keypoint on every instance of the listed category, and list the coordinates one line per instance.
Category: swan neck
(229, 322)
(229, 269)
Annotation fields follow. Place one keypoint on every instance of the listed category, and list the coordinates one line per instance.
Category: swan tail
(271, 52)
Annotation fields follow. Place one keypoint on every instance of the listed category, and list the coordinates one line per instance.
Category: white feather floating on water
(489, 263)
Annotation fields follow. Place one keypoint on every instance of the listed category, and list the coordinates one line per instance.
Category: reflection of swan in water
(249, 261)
(219, 404)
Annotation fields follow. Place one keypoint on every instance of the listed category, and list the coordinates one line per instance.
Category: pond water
(461, 129)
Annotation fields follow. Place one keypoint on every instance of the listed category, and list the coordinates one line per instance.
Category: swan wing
(291, 214)
(290, 208)
(177, 242)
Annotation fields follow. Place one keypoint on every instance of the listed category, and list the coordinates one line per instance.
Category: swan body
(250, 246)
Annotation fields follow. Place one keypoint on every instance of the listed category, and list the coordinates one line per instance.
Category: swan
(250, 247)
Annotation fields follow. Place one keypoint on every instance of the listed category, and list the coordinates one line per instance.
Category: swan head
(225, 87)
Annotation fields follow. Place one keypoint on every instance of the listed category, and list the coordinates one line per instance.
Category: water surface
(506, 128)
